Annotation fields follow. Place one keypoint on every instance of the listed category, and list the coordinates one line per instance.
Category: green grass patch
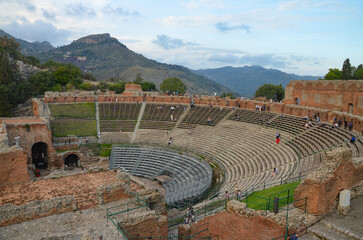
(264, 199)
(75, 110)
(103, 150)
(76, 127)
(65, 150)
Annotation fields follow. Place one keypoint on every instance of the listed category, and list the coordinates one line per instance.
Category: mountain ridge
(105, 57)
(30, 48)
(245, 80)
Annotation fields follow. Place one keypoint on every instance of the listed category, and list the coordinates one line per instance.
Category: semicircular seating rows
(242, 141)
(245, 145)
(189, 178)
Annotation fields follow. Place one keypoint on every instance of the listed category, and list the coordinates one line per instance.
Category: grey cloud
(229, 58)
(30, 6)
(225, 27)
(261, 60)
(48, 14)
(122, 12)
(37, 31)
(170, 43)
(79, 10)
(264, 60)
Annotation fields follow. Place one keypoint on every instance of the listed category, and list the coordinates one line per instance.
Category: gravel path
(86, 224)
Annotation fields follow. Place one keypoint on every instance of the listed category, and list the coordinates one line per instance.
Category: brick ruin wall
(334, 95)
(322, 187)
(11, 214)
(14, 167)
(31, 133)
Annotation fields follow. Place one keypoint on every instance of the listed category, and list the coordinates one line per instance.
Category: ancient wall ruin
(334, 95)
(14, 167)
(30, 131)
(322, 187)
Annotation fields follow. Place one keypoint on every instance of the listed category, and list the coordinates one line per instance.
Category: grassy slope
(258, 200)
(76, 110)
(77, 127)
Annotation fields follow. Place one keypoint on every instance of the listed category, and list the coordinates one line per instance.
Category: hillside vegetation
(105, 57)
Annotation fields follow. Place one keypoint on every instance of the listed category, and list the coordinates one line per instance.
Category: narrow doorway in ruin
(297, 101)
(71, 160)
(350, 108)
(40, 155)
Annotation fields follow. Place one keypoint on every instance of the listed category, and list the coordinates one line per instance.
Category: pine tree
(346, 70)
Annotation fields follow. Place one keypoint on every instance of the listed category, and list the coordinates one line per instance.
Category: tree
(334, 73)
(346, 70)
(42, 81)
(89, 76)
(148, 86)
(356, 71)
(172, 85)
(117, 87)
(87, 86)
(68, 73)
(271, 91)
(227, 95)
(359, 74)
(138, 79)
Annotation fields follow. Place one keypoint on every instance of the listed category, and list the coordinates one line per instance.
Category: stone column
(344, 202)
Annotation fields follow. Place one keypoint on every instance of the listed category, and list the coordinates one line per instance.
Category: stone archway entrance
(71, 160)
(40, 155)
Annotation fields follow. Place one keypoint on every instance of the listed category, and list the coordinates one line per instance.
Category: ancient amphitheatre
(162, 147)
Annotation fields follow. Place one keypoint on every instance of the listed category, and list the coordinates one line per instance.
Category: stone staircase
(338, 227)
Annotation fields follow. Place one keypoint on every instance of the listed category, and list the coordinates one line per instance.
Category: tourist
(171, 118)
(275, 171)
(352, 139)
(100, 237)
(278, 137)
(186, 220)
(193, 218)
(350, 125)
(340, 122)
(238, 193)
(335, 119)
(227, 196)
(345, 123)
(294, 237)
(170, 141)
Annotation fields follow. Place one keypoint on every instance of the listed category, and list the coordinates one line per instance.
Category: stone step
(323, 232)
(341, 230)
(308, 236)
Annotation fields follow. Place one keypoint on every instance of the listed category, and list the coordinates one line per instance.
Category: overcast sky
(305, 37)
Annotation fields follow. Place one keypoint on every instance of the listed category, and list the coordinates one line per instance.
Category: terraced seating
(117, 125)
(162, 112)
(190, 178)
(291, 124)
(161, 116)
(201, 115)
(120, 111)
(162, 125)
(251, 116)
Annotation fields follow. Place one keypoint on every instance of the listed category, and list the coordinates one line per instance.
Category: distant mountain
(245, 80)
(28, 48)
(105, 57)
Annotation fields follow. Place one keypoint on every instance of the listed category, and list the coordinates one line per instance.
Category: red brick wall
(37, 133)
(332, 95)
(321, 195)
(13, 167)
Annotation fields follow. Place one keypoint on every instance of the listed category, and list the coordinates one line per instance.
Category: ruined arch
(40, 155)
(71, 159)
